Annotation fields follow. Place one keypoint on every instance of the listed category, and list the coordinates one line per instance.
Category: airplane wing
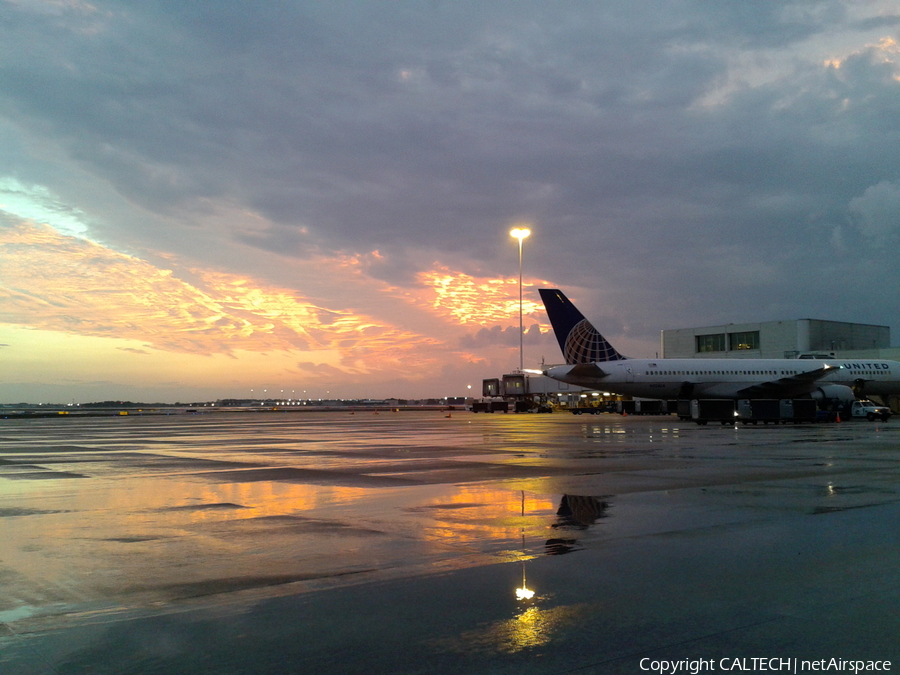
(787, 387)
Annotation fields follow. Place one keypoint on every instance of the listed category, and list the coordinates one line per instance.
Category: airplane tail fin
(578, 339)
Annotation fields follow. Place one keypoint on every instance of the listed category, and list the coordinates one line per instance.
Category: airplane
(593, 363)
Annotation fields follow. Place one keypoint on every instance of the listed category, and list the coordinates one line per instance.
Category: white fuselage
(730, 378)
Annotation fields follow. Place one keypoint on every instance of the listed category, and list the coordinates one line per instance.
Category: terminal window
(711, 343)
(747, 340)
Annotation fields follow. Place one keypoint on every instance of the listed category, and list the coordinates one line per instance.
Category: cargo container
(754, 411)
(489, 406)
(651, 407)
(797, 410)
(713, 410)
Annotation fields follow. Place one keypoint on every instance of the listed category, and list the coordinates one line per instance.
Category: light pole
(520, 233)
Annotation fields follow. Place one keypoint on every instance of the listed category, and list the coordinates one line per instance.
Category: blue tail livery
(579, 341)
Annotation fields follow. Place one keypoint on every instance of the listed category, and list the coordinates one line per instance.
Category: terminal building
(780, 340)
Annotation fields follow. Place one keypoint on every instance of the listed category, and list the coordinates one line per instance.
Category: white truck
(869, 410)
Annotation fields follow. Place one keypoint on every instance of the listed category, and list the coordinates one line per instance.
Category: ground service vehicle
(869, 410)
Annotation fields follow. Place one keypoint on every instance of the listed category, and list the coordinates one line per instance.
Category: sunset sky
(213, 199)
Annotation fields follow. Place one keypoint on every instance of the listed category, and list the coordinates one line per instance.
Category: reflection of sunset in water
(160, 509)
(531, 627)
(265, 498)
(128, 542)
(475, 513)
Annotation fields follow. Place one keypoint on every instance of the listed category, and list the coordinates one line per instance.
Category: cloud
(508, 337)
(877, 213)
(132, 350)
(37, 203)
(466, 299)
(73, 287)
(56, 282)
(319, 369)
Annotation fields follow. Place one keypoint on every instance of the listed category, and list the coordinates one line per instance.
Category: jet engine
(828, 394)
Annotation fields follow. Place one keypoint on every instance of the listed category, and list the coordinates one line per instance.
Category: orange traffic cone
(838, 418)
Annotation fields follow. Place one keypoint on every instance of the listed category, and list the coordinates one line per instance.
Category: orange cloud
(470, 300)
(146, 324)
(60, 283)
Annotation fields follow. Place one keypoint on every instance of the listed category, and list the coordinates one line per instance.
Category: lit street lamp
(520, 233)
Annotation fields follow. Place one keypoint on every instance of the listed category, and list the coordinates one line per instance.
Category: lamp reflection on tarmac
(524, 593)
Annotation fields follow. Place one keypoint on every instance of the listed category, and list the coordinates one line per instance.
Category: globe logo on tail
(585, 345)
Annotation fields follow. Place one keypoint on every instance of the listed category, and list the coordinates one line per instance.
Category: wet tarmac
(397, 542)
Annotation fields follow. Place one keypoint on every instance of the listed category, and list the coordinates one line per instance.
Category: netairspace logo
(793, 665)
